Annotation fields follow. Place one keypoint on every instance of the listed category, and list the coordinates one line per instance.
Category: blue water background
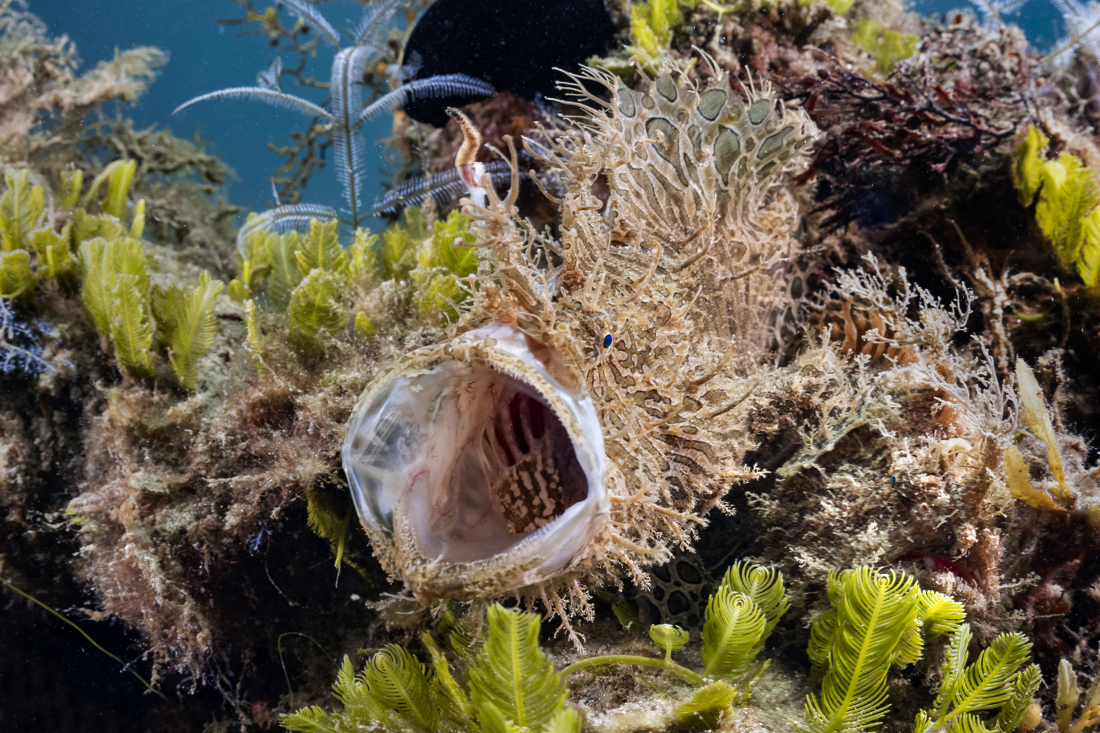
(205, 56)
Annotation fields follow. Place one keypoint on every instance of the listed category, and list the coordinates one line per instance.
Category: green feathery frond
(492, 720)
(315, 308)
(321, 249)
(71, 184)
(118, 176)
(253, 337)
(668, 638)
(464, 637)
(1088, 264)
(1024, 687)
(873, 615)
(706, 704)
(20, 211)
(985, 684)
(129, 326)
(513, 674)
(989, 683)
(822, 634)
(126, 256)
(764, 586)
(651, 26)
(954, 667)
(238, 291)
(1036, 416)
(400, 684)
(87, 226)
(886, 45)
(400, 244)
(328, 520)
(1068, 193)
(733, 633)
(360, 707)
(167, 302)
(15, 274)
(911, 647)
(55, 255)
(254, 254)
(115, 293)
(625, 610)
(459, 261)
(566, 720)
(941, 615)
(441, 265)
(285, 276)
(361, 256)
(308, 720)
(137, 223)
(194, 330)
(969, 723)
(93, 291)
(364, 329)
(454, 706)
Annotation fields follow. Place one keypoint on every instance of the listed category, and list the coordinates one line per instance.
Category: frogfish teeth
(580, 421)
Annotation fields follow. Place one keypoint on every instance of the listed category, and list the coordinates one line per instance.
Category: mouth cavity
(474, 452)
(514, 471)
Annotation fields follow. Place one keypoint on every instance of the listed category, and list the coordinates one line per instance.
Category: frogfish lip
(477, 466)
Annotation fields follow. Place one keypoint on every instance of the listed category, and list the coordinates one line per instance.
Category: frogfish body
(582, 418)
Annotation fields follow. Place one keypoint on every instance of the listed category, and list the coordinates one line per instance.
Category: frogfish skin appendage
(580, 420)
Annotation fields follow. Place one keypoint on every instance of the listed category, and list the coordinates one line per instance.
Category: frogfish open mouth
(581, 418)
(481, 448)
